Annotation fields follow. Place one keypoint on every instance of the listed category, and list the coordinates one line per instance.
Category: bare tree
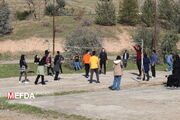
(32, 8)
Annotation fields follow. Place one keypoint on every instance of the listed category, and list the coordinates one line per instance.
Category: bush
(80, 40)
(86, 21)
(50, 9)
(65, 12)
(105, 13)
(4, 19)
(22, 15)
(79, 13)
(60, 3)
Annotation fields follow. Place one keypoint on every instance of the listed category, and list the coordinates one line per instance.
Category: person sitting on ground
(146, 62)
(77, 64)
(118, 72)
(174, 79)
(94, 65)
(23, 69)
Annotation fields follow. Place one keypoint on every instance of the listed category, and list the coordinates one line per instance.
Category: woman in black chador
(174, 79)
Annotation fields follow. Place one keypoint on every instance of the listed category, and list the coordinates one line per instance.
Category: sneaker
(26, 82)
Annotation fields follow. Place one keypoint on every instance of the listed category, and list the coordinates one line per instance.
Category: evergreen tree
(169, 10)
(105, 13)
(4, 19)
(128, 12)
(61, 3)
(148, 12)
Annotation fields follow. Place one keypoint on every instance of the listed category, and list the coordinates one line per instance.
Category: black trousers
(146, 75)
(42, 79)
(61, 68)
(56, 75)
(125, 62)
(48, 70)
(153, 70)
(21, 74)
(103, 64)
(97, 75)
(138, 62)
(87, 67)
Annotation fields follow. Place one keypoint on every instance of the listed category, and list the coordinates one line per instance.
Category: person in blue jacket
(169, 62)
(153, 63)
(146, 62)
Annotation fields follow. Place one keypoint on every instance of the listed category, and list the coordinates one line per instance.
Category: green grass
(12, 70)
(62, 93)
(27, 109)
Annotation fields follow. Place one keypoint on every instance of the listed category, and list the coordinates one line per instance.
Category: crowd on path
(97, 64)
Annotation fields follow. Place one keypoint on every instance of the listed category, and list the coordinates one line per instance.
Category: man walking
(153, 63)
(125, 58)
(103, 58)
(94, 65)
(57, 62)
(86, 61)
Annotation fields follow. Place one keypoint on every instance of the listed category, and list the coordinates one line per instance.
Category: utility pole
(155, 24)
(54, 29)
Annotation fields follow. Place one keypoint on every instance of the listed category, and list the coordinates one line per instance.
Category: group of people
(146, 63)
(94, 64)
(45, 61)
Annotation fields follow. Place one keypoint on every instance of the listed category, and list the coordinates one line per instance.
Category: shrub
(50, 9)
(22, 15)
(80, 40)
(4, 19)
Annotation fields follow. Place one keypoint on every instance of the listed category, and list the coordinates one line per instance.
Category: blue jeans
(116, 83)
(170, 66)
(77, 65)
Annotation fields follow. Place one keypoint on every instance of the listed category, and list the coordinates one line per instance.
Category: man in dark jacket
(57, 62)
(103, 58)
(125, 58)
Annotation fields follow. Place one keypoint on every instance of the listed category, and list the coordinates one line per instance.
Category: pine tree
(128, 12)
(148, 13)
(4, 19)
(105, 13)
(169, 10)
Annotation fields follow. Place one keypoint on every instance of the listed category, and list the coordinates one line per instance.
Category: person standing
(23, 69)
(118, 72)
(169, 62)
(146, 62)
(49, 65)
(36, 59)
(125, 58)
(41, 69)
(77, 64)
(58, 60)
(94, 65)
(153, 63)
(103, 58)
(86, 61)
(138, 58)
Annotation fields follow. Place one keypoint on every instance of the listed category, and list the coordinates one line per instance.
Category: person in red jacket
(138, 57)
